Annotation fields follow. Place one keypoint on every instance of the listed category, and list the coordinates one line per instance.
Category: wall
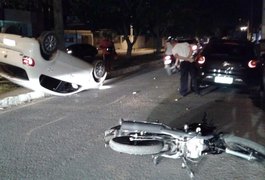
(142, 42)
(21, 20)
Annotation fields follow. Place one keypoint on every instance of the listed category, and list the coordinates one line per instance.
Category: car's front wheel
(48, 44)
(99, 70)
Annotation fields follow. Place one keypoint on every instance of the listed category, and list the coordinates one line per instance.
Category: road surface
(62, 137)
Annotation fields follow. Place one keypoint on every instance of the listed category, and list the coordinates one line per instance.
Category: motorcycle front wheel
(123, 144)
(170, 70)
(245, 146)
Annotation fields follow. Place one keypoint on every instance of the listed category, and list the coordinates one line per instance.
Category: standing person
(194, 82)
(183, 54)
(169, 59)
(168, 46)
(108, 51)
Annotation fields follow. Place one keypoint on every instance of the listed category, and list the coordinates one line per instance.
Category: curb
(28, 97)
(20, 99)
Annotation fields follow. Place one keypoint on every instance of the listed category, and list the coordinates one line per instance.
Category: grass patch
(6, 87)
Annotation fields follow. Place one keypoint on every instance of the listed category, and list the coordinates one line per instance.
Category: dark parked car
(230, 62)
(89, 53)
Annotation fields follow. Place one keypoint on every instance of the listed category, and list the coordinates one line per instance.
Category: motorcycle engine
(194, 148)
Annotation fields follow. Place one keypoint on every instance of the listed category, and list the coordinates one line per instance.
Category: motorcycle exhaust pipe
(238, 154)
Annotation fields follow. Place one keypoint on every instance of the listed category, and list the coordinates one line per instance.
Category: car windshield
(230, 49)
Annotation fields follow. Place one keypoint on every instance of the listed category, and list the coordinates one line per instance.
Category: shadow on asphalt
(125, 76)
(229, 114)
(123, 62)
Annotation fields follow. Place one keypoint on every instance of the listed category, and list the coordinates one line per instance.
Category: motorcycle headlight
(167, 60)
(68, 51)
(194, 47)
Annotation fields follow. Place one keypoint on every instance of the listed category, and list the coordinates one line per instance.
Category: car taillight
(28, 61)
(252, 63)
(201, 60)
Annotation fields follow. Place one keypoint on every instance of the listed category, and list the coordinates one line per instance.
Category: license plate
(223, 80)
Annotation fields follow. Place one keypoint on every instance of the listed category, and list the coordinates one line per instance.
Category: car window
(230, 49)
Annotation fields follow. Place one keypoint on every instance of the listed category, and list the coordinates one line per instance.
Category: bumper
(233, 80)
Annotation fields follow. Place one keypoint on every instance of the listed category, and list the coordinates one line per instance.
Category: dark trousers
(186, 69)
(194, 81)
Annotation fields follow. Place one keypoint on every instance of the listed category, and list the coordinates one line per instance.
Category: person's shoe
(184, 94)
(180, 97)
(197, 93)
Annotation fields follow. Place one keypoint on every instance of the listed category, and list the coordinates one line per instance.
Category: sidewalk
(141, 57)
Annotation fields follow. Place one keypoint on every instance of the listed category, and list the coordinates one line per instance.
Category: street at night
(132, 90)
(63, 137)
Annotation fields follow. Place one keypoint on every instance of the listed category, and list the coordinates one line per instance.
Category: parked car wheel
(99, 70)
(263, 79)
(170, 69)
(262, 85)
(48, 44)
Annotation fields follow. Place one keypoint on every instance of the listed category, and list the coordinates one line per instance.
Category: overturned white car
(37, 64)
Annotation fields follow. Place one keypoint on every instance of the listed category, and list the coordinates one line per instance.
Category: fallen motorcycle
(190, 143)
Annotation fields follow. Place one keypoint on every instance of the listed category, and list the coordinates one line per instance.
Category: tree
(131, 15)
(120, 16)
(58, 22)
(159, 18)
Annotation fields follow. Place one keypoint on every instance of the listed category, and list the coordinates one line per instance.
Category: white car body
(61, 75)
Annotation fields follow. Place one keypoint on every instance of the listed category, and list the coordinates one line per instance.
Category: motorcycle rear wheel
(171, 70)
(245, 146)
(123, 144)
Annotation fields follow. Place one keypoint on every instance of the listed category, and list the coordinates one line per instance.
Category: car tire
(257, 91)
(263, 79)
(262, 85)
(48, 44)
(99, 70)
(171, 70)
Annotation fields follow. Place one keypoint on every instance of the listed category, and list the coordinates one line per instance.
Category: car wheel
(262, 86)
(263, 80)
(48, 44)
(170, 70)
(257, 91)
(99, 70)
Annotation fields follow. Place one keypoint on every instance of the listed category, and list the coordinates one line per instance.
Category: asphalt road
(62, 137)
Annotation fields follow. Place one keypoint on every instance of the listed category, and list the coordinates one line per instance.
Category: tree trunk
(58, 22)
(158, 42)
(129, 49)
(158, 45)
